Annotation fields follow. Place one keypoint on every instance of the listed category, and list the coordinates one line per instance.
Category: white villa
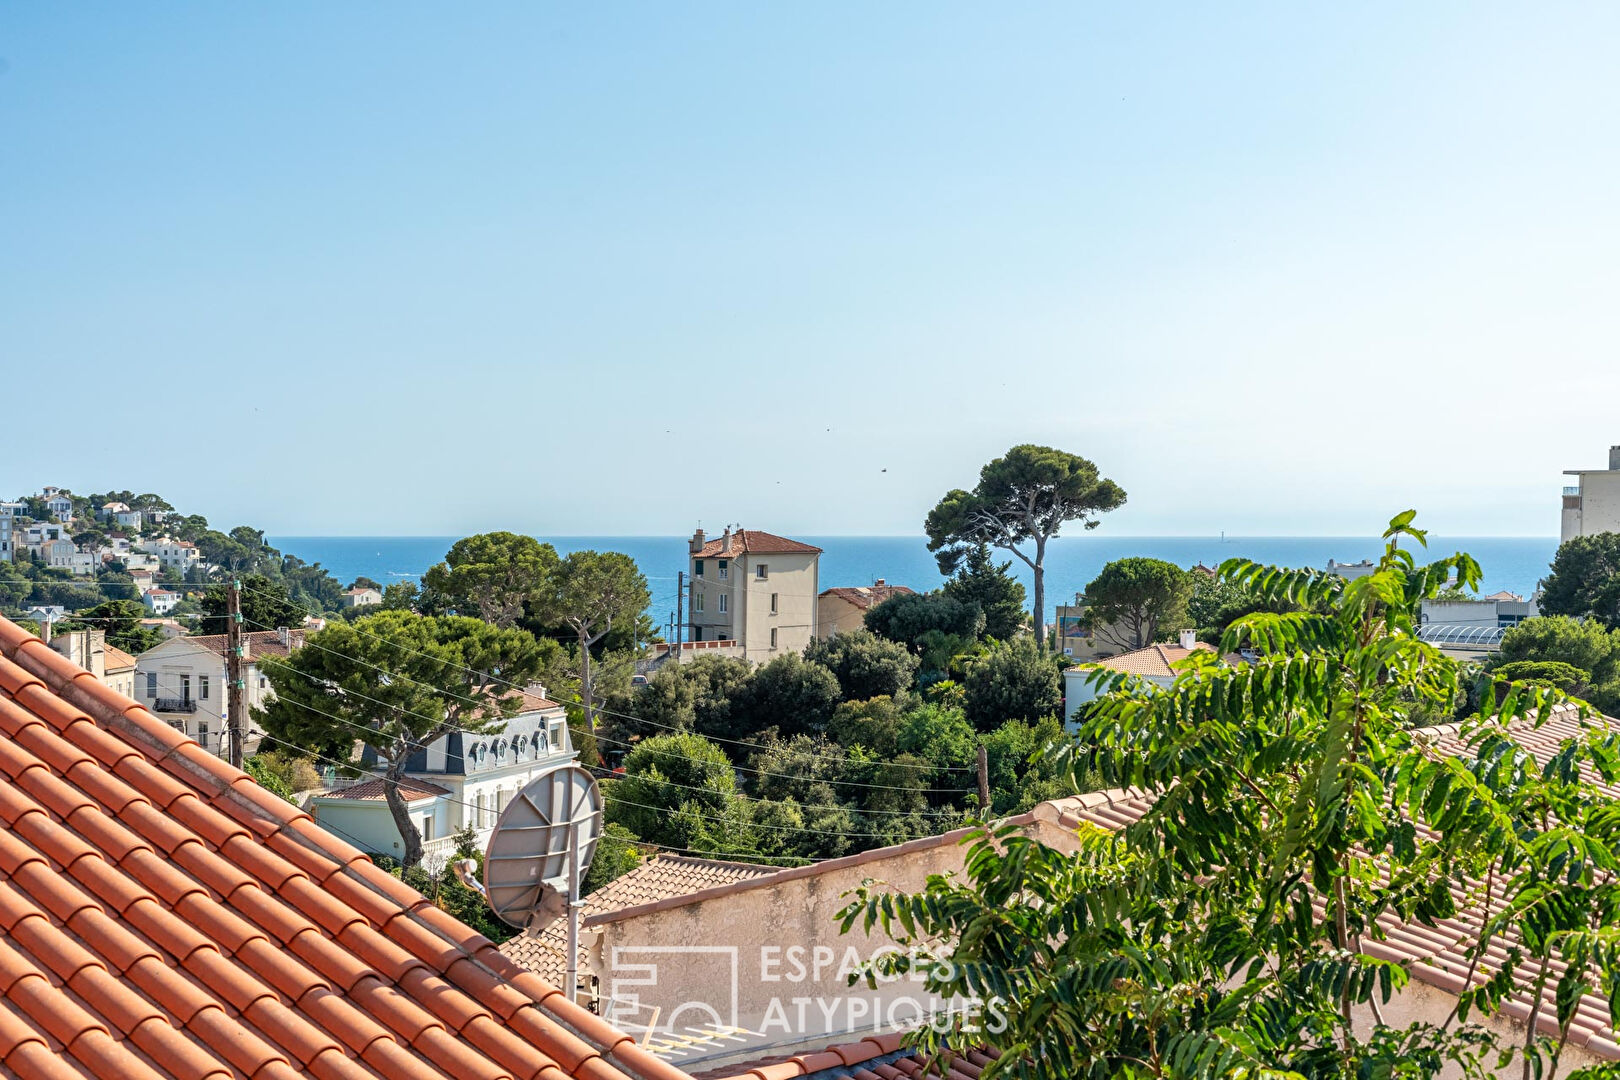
(458, 781)
(183, 681)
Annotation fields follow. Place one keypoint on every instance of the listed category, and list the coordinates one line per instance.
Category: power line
(598, 709)
(457, 729)
(740, 768)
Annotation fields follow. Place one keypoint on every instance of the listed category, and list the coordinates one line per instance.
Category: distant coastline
(1512, 563)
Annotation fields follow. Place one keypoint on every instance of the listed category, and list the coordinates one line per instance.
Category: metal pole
(984, 780)
(574, 904)
(236, 686)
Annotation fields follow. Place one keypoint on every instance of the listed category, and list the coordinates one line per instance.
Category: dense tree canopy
(906, 617)
(265, 606)
(1585, 579)
(1022, 498)
(1132, 601)
(865, 665)
(494, 576)
(787, 693)
(1017, 680)
(1586, 645)
(980, 580)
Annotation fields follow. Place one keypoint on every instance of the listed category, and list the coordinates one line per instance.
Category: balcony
(1572, 491)
(174, 705)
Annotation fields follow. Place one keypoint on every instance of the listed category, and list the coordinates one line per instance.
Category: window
(697, 601)
(722, 603)
(773, 637)
(480, 824)
(723, 564)
(762, 571)
(697, 568)
(427, 827)
(151, 684)
(185, 688)
(202, 687)
(773, 603)
(202, 736)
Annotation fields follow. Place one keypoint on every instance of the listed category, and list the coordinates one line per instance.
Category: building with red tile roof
(162, 915)
(844, 608)
(753, 588)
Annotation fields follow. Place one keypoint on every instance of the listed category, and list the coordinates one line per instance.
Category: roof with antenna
(162, 915)
(753, 542)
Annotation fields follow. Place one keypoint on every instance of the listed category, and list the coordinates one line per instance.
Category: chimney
(725, 542)
(1614, 457)
(1189, 639)
(879, 583)
(284, 636)
(696, 544)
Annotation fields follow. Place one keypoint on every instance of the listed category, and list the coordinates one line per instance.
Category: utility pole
(984, 781)
(680, 613)
(235, 683)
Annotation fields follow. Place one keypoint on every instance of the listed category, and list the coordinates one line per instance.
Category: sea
(1512, 563)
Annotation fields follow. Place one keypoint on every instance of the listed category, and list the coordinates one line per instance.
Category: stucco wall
(1599, 505)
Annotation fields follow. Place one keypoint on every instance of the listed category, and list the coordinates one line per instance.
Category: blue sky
(596, 269)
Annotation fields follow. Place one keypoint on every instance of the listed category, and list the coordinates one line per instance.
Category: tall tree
(496, 576)
(1585, 579)
(980, 580)
(438, 679)
(265, 606)
(1016, 680)
(908, 616)
(865, 665)
(1022, 498)
(591, 592)
(1133, 599)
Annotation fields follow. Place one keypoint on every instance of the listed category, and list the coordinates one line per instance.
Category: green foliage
(1571, 680)
(865, 665)
(1134, 600)
(1023, 497)
(616, 855)
(695, 696)
(121, 621)
(268, 778)
(498, 577)
(1588, 646)
(1016, 680)
(906, 617)
(401, 596)
(328, 694)
(266, 605)
(680, 791)
(1585, 579)
(1023, 760)
(980, 580)
(789, 694)
(1221, 934)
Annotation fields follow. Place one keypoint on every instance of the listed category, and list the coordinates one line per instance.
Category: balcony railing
(175, 705)
(1572, 491)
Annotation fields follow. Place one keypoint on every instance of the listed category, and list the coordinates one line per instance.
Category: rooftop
(866, 596)
(162, 915)
(258, 642)
(117, 659)
(1155, 660)
(754, 542)
(411, 788)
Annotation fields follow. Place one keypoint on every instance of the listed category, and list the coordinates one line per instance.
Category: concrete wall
(1596, 509)
(769, 958)
(835, 615)
(748, 618)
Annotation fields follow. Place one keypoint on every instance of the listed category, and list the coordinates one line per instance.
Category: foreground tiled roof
(754, 542)
(662, 877)
(876, 1057)
(865, 596)
(372, 790)
(162, 915)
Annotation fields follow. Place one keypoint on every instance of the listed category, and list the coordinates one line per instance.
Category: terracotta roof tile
(754, 542)
(258, 642)
(1155, 660)
(374, 790)
(867, 596)
(161, 915)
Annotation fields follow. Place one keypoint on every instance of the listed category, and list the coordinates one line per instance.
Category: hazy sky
(392, 268)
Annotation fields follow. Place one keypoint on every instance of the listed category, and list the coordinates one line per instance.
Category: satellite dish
(541, 847)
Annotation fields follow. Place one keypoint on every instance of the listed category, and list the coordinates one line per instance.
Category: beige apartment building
(754, 588)
(1592, 504)
(844, 609)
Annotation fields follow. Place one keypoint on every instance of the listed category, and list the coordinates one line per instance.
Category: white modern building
(1592, 503)
(461, 780)
(179, 555)
(160, 601)
(64, 555)
(183, 681)
(59, 506)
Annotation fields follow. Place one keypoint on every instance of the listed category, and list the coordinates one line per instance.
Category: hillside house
(60, 507)
(755, 588)
(113, 667)
(160, 601)
(364, 596)
(183, 682)
(179, 555)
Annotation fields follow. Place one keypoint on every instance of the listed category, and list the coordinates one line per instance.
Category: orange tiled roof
(865, 596)
(754, 542)
(660, 878)
(373, 790)
(117, 659)
(162, 915)
(258, 642)
(1153, 660)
